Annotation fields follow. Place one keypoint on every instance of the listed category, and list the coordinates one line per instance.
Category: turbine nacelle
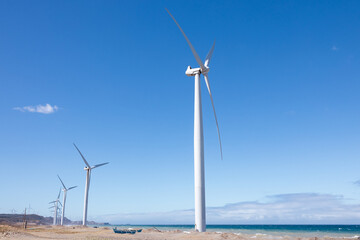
(193, 71)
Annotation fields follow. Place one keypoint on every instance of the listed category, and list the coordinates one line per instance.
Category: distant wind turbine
(29, 209)
(64, 200)
(58, 212)
(56, 206)
(88, 169)
(200, 213)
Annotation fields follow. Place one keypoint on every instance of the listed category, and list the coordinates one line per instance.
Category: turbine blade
(198, 60)
(99, 165)
(212, 103)
(61, 181)
(59, 195)
(209, 55)
(87, 164)
(72, 187)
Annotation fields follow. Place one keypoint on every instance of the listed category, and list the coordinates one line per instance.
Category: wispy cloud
(45, 109)
(298, 208)
(334, 48)
(357, 182)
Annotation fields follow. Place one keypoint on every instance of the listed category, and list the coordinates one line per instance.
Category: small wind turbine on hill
(88, 169)
(56, 206)
(64, 200)
(200, 214)
(29, 209)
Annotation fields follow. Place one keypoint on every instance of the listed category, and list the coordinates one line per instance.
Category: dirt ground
(102, 233)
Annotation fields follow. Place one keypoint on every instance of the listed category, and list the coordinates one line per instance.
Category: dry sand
(102, 233)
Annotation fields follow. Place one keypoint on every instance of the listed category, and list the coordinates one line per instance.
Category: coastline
(106, 232)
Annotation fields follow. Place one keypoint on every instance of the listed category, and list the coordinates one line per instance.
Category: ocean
(346, 231)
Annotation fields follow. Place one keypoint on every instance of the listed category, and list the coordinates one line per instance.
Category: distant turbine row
(57, 202)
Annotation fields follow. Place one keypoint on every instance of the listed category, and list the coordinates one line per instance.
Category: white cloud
(334, 48)
(45, 109)
(298, 208)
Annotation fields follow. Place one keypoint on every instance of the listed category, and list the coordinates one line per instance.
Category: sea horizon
(262, 230)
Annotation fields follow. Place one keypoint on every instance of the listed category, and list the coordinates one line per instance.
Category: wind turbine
(56, 206)
(64, 200)
(88, 169)
(200, 214)
(58, 213)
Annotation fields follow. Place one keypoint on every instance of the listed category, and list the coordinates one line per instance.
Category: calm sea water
(348, 231)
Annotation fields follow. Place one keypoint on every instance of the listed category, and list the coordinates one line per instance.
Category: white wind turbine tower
(64, 200)
(200, 214)
(53, 211)
(56, 206)
(58, 213)
(87, 183)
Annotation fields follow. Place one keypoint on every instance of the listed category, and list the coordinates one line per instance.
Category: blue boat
(124, 231)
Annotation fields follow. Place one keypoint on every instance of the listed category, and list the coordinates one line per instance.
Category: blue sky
(285, 81)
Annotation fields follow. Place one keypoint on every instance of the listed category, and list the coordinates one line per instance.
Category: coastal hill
(34, 219)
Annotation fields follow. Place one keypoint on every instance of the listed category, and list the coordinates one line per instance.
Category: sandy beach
(102, 233)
